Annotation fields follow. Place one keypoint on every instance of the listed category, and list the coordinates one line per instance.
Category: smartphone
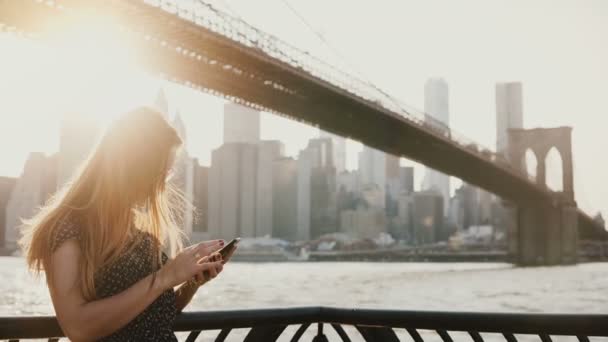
(229, 247)
(224, 251)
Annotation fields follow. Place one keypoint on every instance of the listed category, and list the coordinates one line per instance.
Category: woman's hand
(188, 263)
(207, 275)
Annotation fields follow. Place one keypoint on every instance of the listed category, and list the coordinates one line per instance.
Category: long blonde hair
(121, 186)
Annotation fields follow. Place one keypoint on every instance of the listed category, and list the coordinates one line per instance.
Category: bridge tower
(547, 232)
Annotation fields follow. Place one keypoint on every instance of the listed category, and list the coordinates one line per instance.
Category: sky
(556, 48)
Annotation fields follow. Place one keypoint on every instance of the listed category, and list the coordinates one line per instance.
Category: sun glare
(87, 68)
(97, 63)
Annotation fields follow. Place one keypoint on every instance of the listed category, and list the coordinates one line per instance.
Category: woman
(101, 240)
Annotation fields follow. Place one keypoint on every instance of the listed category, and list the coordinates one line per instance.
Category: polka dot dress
(156, 321)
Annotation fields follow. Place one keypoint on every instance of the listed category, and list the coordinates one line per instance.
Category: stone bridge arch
(541, 141)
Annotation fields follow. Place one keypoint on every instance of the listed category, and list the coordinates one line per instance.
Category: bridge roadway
(242, 65)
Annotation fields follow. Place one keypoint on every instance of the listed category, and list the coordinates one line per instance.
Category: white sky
(557, 48)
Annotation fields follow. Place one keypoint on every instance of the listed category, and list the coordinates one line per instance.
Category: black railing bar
(193, 335)
(445, 336)
(510, 323)
(235, 319)
(415, 335)
(25, 327)
(510, 337)
(296, 337)
(221, 337)
(514, 323)
(343, 335)
(475, 336)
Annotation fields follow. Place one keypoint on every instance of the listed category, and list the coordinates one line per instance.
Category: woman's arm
(184, 294)
(186, 291)
(82, 320)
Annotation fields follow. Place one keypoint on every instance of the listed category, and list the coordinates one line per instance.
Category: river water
(412, 286)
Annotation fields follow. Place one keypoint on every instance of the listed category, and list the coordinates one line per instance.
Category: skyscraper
(6, 188)
(241, 124)
(428, 216)
(31, 190)
(509, 113)
(437, 99)
(316, 190)
(200, 185)
(436, 106)
(377, 168)
(304, 171)
(232, 190)
(285, 199)
(184, 174)
(338, 149)
(268, 152)
(241, 177)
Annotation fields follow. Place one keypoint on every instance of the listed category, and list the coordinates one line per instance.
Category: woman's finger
(212, 272)
(198, 246)
(203, 260)
(206, 249)
(208, 266)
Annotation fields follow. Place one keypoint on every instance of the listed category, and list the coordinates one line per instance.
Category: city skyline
(303, 159)
(551, 95)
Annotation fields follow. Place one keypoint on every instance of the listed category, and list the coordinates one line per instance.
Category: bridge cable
(366, 79)
(231, 9)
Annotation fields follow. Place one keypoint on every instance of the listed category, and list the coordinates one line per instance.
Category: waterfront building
(403, 183)
(268, 152)
(363, 222)
(184, 175)
(403, 223)
(377, 168)
(241, 181)
(285, 199)
(436, 107)
(32, 189)
(456, 211)
(428, 217)
(241, 177)
(338, 150)
(232, 186)
(304, 172)
(323, 191)
(200, 187)
(349, 180)
(317, 201)
(6, 188)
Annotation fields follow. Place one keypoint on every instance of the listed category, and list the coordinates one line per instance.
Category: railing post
(320, 335)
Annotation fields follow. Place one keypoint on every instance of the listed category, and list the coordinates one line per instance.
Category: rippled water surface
(411, 286)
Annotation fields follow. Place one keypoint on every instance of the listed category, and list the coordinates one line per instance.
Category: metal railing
(351, 325)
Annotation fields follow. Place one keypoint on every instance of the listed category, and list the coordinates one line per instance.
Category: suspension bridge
(195, 44)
